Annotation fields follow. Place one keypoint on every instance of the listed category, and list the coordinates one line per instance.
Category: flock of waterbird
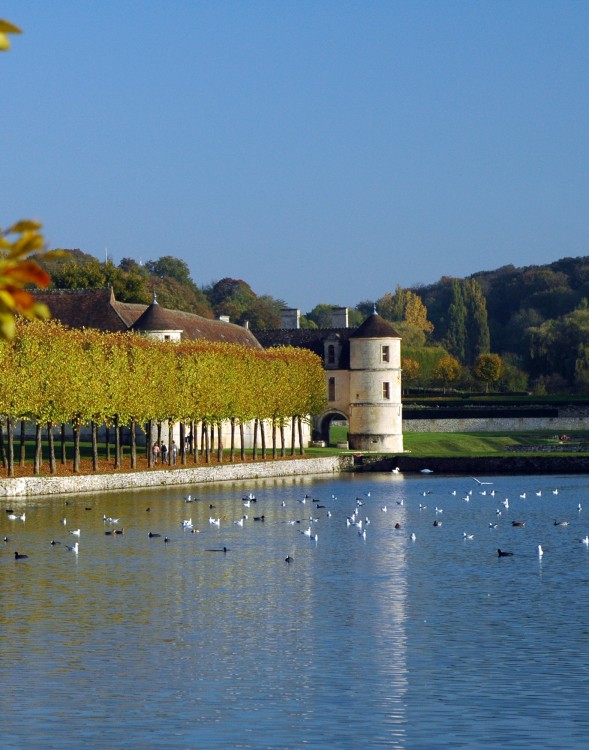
(307, 521)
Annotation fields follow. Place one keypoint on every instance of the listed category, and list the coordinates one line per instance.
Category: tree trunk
(117, 442)
(51, 444)
(274, 446)
(263, 438)
(76, 428)
(63, 446)
(10, 427)
(282, 441)
(121, 446)
(23, 442)
(255, 445)
(2, 446)
(293, 439)
(107, 443)
(38, 449)
(194, 445)
(219, 444)
(232, 451)
(242, 440)
(182, 443)
(133, 444)
(94, 426)
(207, 444)
(170, 441)
(301, 446)
(149, 445)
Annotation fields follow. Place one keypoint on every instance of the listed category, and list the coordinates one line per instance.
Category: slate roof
(98, 308)
(375, 327)
(155, 318)
(313, 339)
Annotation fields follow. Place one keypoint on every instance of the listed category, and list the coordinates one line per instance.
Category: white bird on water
(73, 549)
(540, 550)
(75, 532)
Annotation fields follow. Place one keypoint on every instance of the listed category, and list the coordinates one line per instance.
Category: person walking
(156, 453)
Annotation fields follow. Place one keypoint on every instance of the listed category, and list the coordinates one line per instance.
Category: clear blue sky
(323, 151)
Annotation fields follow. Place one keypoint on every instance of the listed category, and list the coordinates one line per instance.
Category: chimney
(290, 318)
(339, 317)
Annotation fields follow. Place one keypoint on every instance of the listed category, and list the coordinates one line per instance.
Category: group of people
(160, 451)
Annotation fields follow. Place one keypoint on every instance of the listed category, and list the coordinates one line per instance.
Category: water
(381, 642)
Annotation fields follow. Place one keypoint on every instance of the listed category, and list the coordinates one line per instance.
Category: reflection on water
(376, 642)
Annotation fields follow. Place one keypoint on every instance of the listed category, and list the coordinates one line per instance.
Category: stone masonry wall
(29, 486)
(489, 424)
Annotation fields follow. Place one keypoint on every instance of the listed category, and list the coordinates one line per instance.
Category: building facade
(362, 377)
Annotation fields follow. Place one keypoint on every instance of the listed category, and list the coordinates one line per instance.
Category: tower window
(385, 355)
(331, 354)
(331, 389)
(386, 391)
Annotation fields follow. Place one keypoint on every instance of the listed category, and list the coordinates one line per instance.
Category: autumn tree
(411, 369)
(447, 370)
(488, 368)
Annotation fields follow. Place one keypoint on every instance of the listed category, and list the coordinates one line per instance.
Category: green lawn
(432, 444)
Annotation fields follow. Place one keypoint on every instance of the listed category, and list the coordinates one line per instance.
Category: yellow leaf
(9, 28)
(25, 225)
(7, 326)
(4, 42)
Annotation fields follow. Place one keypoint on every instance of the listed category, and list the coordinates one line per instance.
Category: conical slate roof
(375, 327)
(156, 318)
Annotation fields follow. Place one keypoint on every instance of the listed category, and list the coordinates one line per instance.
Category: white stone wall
(32, 486)
(558, 425)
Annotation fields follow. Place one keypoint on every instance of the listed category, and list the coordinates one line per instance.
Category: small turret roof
(375, 327)
(156, 318)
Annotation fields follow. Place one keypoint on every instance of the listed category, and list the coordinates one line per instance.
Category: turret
(375, 387)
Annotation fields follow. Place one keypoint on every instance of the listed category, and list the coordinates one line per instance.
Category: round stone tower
(375, 387)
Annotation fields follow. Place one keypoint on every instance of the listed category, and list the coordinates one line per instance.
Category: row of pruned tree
(55, 376)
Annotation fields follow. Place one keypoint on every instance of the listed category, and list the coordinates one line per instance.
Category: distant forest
(534, 321)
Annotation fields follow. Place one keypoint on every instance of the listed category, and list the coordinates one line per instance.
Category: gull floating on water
(540, 550)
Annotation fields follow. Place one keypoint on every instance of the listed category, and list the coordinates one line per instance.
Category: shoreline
(477, 465)
(357, 463)
(86, 483)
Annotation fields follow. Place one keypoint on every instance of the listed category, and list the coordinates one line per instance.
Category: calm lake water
(376, 642)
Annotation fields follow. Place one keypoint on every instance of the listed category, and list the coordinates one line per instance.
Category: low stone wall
(30, 486)
(558, 425)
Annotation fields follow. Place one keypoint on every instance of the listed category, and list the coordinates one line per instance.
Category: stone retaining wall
(557, 425)
(28, 486)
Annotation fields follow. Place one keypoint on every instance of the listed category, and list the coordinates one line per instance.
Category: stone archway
(323, 423)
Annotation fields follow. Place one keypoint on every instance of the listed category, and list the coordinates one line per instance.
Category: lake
(367, 638)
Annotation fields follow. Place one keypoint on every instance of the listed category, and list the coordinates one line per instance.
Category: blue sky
(323, 151)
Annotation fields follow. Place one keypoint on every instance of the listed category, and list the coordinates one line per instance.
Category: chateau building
(362, 365)
(362, 374)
